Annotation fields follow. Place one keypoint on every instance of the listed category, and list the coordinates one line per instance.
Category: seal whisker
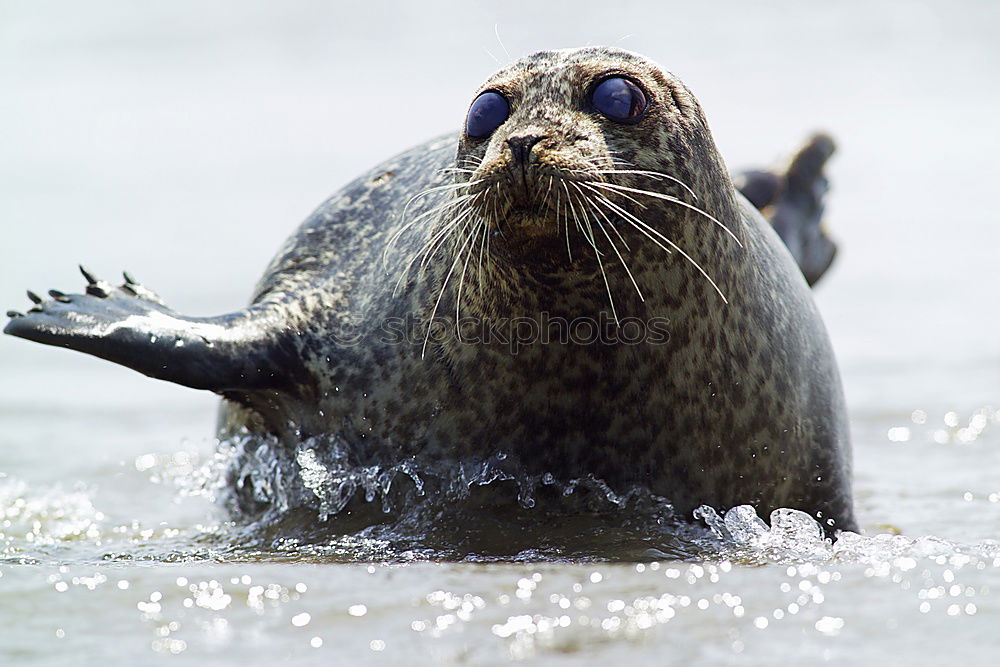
(599, 211)
(588, 233)
(471, 161)
(508, 204)
(615, 208)
(436, 210)
(482, 246)
(496, 31)
(559, 208)
(495, 224)
(437, 303)
(450, 228)
(651, 174)
(548, 190)
(582, 223)
(441, 236)
(600, 265)
(636, 221)
(431, 245)
(600, 161)
(495, 218)
(675, 200)
(439, 188)
(600, 226)
(572, 209)
(461, 282)
(621, 259)
(623, 195)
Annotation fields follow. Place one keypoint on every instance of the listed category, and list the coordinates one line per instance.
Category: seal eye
(619, 99)
(487, 113)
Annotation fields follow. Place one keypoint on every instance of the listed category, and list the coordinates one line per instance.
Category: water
(184, 142)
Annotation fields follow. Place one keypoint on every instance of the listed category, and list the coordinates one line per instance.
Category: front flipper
(129, 325)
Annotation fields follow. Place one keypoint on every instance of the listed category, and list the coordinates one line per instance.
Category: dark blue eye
(619, 99)
(488, 112)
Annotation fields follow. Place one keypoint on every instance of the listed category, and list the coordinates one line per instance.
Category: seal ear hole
(488, 112)
(619, 99)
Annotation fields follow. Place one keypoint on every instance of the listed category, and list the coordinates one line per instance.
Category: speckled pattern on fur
(742, 404)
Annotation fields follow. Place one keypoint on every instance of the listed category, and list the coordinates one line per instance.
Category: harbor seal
(572, 282)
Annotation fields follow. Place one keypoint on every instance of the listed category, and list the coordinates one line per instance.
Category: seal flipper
(129, 325)
(793, 203)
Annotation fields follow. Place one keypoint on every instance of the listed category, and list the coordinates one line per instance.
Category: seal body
(584, 295)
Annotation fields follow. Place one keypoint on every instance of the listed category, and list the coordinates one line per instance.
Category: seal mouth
(536, 201)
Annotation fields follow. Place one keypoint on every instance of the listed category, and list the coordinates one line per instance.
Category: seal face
(579, 288)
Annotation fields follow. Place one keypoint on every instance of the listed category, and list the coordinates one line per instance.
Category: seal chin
(527, 221)
(530, 222)
(538, 241)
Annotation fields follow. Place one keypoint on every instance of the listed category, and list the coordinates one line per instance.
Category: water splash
(794, 536)
(322, 496)
(324, 474)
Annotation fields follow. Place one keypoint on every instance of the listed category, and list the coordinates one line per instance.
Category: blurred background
(185, 140)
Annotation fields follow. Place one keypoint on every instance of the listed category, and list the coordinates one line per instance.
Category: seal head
(561, 180)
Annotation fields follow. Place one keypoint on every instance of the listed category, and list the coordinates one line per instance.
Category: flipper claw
(34, 297)
(14, 313)
(59, 296)
(91, 280)
(129, 280)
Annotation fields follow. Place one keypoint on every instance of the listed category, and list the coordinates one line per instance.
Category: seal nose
(521, 145)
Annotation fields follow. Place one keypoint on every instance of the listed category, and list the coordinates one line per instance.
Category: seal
(579, 286)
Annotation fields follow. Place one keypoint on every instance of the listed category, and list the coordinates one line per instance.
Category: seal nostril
(520, 146)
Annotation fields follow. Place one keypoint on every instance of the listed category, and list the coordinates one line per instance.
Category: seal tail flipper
(793, 202)
(129, 325)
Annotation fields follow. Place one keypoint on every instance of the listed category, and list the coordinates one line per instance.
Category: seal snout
(520, 163)
(520, 147)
